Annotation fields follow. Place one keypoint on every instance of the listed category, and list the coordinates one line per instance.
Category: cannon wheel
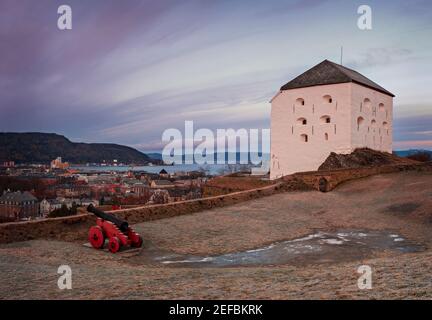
(114, 244)
(96, 237)
(138, 243)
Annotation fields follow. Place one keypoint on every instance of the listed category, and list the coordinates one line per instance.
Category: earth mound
(362, 157)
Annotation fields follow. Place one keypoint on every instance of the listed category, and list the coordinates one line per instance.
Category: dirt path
(400, 203)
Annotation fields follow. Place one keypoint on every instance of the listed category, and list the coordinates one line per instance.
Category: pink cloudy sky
(130, 69)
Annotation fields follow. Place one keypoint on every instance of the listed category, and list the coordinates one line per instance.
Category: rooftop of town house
(132, 181)
(328, 72)
(162, 182)
(139, 184)
(17, 197)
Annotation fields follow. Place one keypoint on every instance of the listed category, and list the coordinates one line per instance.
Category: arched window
(381, 107)
(325, 119)
(304, 137)
(360, 123)
(327, 99)
(373, 125)
(367, 105)
(302, 121)
(386, 127)
(326, 136)
(300, 102)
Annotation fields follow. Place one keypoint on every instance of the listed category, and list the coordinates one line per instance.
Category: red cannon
(117, 231)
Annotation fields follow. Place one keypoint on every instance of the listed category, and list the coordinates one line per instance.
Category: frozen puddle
(321, 247)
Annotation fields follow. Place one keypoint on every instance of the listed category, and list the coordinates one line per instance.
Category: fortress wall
(75, 228)
(302, 146)
(334, 178)
(376, 128)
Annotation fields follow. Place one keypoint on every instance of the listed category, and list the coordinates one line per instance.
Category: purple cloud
(129, 70)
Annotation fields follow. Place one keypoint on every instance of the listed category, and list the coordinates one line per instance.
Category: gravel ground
(400, 203)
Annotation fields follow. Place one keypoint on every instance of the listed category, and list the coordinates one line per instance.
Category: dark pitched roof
(17, 197)
(328, 72)
(163, 171)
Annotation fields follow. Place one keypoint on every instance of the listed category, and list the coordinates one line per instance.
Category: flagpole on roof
(341, 56)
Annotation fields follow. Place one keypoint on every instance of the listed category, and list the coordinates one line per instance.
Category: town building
(18, 205)
(161, 184)
(163, 173)
(72, 190)
(159, 196)
(59, 164)
(329, 108)
(9, 164)
(48, 206)
(140, 188)
(69, 202)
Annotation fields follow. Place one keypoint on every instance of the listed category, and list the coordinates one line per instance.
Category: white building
(329, 108)
(59, 164)
(47, 206)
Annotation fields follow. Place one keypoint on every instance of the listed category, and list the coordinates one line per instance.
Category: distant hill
(407, 153)
(157, 156)
(44, 147)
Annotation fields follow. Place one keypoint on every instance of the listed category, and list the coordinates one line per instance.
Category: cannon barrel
(121, 224)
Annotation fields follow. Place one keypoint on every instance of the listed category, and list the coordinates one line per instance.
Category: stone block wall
(75, 228)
